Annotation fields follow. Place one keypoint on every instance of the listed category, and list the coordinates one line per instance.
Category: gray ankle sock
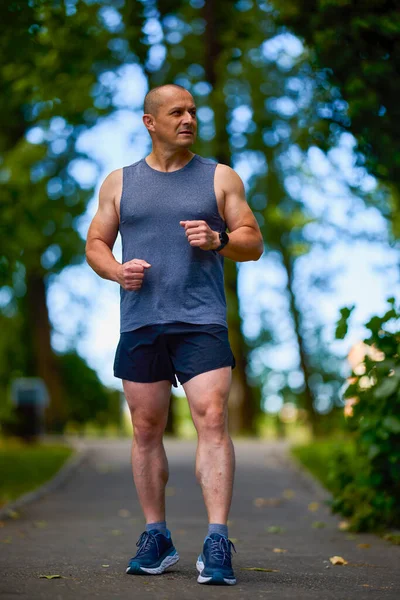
(160, 526)
(218, 528)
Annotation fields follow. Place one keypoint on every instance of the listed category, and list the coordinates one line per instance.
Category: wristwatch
(224, 239)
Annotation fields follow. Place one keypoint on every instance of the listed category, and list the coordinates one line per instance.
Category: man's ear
(148, 121)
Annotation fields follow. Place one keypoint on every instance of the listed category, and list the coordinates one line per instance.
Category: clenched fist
(201, 235)
(130, 275)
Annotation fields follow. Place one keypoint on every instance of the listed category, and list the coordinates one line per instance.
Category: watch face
(224, 238)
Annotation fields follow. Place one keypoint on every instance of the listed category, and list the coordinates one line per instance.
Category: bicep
(105, 223)
(237, 212)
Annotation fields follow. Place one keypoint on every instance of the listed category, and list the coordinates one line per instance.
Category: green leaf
(386, 388)
(392, 424)
(275, 529)
(318, 525)
(342, 324)
(373, 451)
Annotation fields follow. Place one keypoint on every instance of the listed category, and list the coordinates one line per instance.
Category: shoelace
(145, 541)
(221, 550)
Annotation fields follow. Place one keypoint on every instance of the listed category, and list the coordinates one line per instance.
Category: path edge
(67, 469)
(318, 489)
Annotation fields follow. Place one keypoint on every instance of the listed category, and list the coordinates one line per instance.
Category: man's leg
(207, 395)
(148, 404)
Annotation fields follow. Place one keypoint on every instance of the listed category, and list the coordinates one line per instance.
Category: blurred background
(300, 98)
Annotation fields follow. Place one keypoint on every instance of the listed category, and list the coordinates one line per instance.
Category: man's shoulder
(206, 161)
(220, 168)
(116, 176)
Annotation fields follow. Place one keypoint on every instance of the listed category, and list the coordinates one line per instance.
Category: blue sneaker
(156, 553)
(214, 564)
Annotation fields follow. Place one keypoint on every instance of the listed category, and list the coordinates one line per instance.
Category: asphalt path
(86, 531)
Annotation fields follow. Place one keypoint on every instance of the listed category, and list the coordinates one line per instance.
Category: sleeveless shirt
(184, 283)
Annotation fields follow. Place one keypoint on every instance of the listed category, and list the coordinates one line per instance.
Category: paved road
(94, 520)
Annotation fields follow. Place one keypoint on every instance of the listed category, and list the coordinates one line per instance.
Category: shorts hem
(185, 379)
(130, 378)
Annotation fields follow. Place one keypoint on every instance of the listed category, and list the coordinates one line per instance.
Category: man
(172, 209)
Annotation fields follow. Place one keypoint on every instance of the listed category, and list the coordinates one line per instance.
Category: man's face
(175, 122)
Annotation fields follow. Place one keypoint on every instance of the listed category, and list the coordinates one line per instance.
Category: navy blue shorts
(159, 352)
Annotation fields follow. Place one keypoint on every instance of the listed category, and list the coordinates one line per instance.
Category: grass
(316, 456)
(25, 467)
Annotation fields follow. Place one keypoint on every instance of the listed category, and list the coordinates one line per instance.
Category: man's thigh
(148, 402)
(208, 391)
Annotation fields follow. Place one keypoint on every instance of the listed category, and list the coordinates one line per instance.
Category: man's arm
(101, 237)
(245, 239)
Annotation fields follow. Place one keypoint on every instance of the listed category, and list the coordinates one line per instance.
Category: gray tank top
(184, 283)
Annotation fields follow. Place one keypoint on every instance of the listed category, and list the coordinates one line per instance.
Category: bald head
(155, 97)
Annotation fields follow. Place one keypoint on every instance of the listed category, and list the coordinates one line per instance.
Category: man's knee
(148, 432)
(212, 420)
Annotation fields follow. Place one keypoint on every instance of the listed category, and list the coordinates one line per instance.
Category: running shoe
(155, 554)
(215, 563)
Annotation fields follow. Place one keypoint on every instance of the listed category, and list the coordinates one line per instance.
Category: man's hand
(199, 234)
(130, 275)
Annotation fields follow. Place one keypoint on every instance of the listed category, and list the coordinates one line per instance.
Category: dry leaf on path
(288, 494)
(40, 524)
(258, 502)
(267, 502)
(338, 560)
(13, 514)
(278, 550)
(116, 532)
(51, 577)
(313, 506)
(344, 525)
(318, 524)
(363, 545)
(105, 566)
(124, 513)
(260, 569)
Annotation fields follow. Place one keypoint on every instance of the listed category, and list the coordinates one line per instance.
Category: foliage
(58, 73)
(25, 467)
(319, 457)
(355, 48)
(367, 486)
(86, 398)
(54, 56)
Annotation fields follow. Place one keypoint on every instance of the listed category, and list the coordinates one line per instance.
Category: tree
(355, 48)
(55, 84)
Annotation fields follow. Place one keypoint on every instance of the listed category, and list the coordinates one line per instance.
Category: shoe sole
(137, 569)
(216, 579)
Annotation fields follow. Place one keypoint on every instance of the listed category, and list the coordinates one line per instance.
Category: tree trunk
(243, 401)
(45, 363)
(313, 416)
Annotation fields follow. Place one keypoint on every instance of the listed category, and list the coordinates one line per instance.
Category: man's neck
(169, 160)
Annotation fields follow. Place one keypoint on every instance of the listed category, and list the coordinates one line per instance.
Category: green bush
(319, 458)
(366, 486)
